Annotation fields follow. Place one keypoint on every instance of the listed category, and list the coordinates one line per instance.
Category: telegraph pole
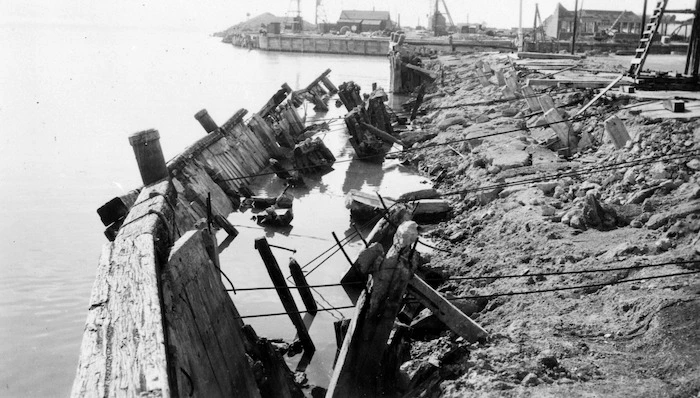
(573, 38)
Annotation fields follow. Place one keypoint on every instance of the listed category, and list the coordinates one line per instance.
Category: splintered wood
(358, 370)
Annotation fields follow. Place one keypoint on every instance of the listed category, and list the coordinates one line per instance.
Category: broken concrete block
(500, 78)
(616, 130)
(507, 92)
(585, 141)
(532, 101)
(674, 106)
(546, 102)
(562, 128)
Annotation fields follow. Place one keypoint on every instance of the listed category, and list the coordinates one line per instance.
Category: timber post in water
(286, 297)
(149, 156)
(206, 121)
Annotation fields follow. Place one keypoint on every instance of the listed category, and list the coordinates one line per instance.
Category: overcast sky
(214, 15)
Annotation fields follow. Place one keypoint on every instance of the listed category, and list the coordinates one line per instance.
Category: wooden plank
(255, 156)
(600, 94)
(534, 55)
(265, 135)
(358, 370)
(573, 83)
(445, 311)
(204, 337)
(196, 185)
(318, 79)
(424, 71)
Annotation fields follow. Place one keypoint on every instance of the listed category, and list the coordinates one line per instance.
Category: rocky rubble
(520, 209)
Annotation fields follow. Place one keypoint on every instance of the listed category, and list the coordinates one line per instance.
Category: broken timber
(225, 160)
(159, 321)
(368, 122)
(358, 371)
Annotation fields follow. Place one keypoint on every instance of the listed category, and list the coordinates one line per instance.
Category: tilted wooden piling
(273, 269)
(206, 121)
(149, 156)
(302, 286)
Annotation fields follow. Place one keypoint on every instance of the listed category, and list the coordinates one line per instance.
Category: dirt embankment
(615, 334)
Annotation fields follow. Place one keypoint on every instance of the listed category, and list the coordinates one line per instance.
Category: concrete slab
(662, 95)
(656, 111)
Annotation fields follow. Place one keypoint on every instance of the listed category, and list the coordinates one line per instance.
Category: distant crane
(538, 27)
(610, 32)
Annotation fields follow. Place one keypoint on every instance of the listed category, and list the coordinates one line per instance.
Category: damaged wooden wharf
(160, 322)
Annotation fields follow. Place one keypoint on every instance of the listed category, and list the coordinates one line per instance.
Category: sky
(214, 15)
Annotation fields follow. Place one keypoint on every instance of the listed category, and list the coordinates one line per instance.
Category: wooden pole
(283, 291)
(419, 101)
(644, 20)
(149, 156)
(206, 121)
(302, 286)
(573, 38)
(382, 135)
(359, 371)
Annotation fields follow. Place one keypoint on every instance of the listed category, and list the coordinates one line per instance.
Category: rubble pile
(522, 208)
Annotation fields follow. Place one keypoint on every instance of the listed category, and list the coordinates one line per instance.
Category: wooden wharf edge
(159, 321)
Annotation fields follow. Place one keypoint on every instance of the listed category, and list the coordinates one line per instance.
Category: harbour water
(70, 97)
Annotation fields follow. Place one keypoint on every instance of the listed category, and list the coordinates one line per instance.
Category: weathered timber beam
(276, 99)
(358, 371)
(207, 353)
(572, 83)
(112, 361)
(318, 79)
(382, 135)
(426, 72)
(445, 311)
(533, 55)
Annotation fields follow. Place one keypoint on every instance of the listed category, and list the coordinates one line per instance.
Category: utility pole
(644, 20)
(520, 27)
(573, 38)
(435, 19)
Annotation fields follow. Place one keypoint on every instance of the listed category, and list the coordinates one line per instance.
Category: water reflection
(361, 172)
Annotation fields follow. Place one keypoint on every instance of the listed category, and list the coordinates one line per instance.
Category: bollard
(206, 121)
(149, 156)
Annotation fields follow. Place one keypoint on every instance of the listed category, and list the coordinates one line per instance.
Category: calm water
(69, 97)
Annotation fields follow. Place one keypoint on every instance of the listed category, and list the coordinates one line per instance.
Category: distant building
(592, 23)
(364, 21)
